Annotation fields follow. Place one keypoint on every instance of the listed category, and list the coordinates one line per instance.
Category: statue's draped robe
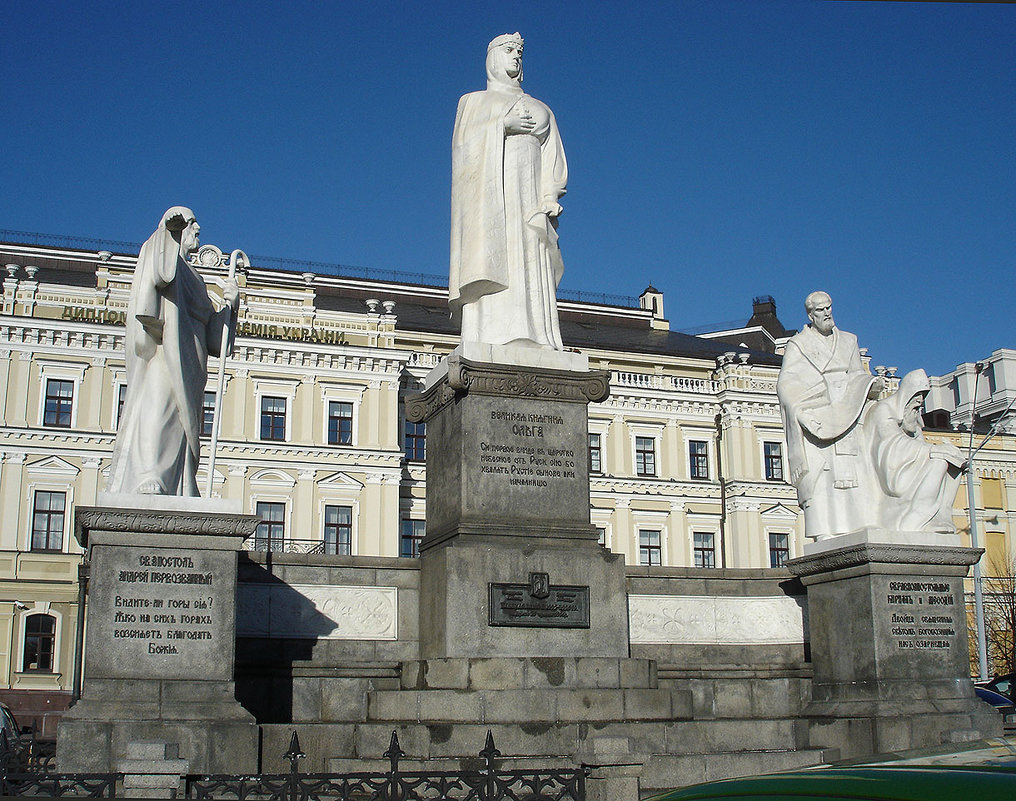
(823, 388)
(171, 329)
(505, 260)
(904, 463)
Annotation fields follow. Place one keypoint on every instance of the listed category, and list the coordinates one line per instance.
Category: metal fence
(24, 777)
(488, 783)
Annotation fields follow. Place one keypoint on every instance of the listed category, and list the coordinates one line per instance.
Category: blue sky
(719, 150)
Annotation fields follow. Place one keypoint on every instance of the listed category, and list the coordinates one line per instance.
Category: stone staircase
(553, 712)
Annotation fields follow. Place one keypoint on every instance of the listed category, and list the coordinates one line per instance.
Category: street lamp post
(982, 647)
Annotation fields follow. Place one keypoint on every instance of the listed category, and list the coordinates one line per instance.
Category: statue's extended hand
(231, 293)
(518, 121)
(176, 223)
(551, 208)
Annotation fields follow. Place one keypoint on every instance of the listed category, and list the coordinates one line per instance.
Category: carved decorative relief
(91, 518)
(317, 611)
(721, 620)
(855, 555)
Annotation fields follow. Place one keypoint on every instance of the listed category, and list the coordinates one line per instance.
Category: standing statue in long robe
(824, 389)
(918, 479)
(172, 327)
(508, 172)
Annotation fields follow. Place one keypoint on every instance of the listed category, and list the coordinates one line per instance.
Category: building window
(595, 465)
(773, 454)
(340, 423)
(650, 552)
(698, 459)
(40, 643)
(273, 418)
(59, 403)
(601, 536)
(271, 531)
(704, 549)
(412, 536)
(208, 414)
(339, 530)
(121, 399)
(48, 521)
(779, 549)
(416, 441)
(645, 456)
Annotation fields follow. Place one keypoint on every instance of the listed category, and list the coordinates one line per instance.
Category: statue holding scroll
(172, 327)
(508, 173)
(824, 390)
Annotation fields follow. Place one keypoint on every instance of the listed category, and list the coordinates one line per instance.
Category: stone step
(673, 758)
(669, 771)
(528, 706)
(499, 673)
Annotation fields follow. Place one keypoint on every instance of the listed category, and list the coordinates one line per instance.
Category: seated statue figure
(918, 479)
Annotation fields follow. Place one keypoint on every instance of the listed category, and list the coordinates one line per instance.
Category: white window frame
(770, 436)
(706, 435)
(652, 520)
(341, 499)
(602, 427)
(703, 524)
(287, 518)
(60, 371)
(29, 515)
(40, 608)
(342, 393)
(788, 531)
(648, 431)
(601, 518)
(274, 388)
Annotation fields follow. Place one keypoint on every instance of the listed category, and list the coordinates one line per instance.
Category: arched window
(40, 643)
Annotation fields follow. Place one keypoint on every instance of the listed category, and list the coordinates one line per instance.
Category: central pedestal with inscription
(510, 565)
(158, 664)
(889, 647)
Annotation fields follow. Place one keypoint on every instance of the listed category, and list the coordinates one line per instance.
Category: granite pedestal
(889, 647)
(158, 663)
(510, 565)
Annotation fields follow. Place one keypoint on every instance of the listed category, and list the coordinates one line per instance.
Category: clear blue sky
(719, 150)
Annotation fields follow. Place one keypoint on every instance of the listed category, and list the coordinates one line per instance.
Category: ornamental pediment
(779, 512)
(53, 466)
(340, 480)
(275, 478)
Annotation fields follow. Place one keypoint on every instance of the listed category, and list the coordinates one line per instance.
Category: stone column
(889, 646)
(161, 635)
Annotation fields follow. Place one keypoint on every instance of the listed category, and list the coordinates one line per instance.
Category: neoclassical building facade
(686, 455)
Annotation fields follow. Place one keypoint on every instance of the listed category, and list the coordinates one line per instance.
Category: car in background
(1004, 705)
(1003, 685)
(870, 782)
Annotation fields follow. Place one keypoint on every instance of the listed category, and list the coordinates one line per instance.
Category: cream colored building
(686, 455)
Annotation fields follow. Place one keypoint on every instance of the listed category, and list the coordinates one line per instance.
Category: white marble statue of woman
(508, 172)
(172, 326)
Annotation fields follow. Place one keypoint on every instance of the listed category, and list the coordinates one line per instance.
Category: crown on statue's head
(505, 38)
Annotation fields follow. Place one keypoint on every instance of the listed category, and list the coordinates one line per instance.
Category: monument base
(889, 648)
(510, 565)
(158, 663)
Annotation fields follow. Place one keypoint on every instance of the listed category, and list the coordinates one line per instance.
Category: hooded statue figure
(918, 479)
(508, 172)
(172, 327)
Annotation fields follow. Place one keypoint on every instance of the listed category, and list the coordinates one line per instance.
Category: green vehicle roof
(875, 783)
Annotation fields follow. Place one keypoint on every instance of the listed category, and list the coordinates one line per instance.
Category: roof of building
(424, 308)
